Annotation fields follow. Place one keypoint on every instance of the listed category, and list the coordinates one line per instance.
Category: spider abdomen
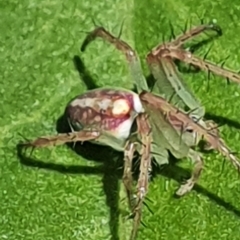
(110, 111)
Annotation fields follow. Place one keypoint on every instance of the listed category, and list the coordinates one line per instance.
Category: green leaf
(64, 195)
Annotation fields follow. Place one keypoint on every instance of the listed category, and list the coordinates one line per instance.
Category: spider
(107, 116)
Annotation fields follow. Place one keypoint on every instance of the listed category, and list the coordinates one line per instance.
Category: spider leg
(130, 54)
(127, 173)
(190, 34)
(213, 128)
(60, 139)
(145, 169)
(198, 166)
(208, 135)
(170, 84)
(189, 58)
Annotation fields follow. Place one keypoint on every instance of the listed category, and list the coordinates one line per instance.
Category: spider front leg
(168, 81)
(173, 50)
(60, 139)
(189, 58)
(192, 33)
(130, 54)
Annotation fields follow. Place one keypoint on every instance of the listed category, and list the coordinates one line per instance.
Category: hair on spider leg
(200, 18)
(140, 142)
(131, 215)
(121, 29)
(223, 165)
(94, 22)
(199, 44)
(184, 29)
(123, 199)
(208, 80)
(149, 49)
(194, 118)
(148, 199)
(208, 72)
(143, 224)
(171, 97)
(188, 24)
(149, 132)
(195, 139)
(217, 126)
(135, 154)
(154, 162)
(238, 170)
(222, 66)
(165, 115)
(208, 51)
(85, 32)
(120, 168)
(23, 147)
(136, 164)
(22, 136)
(163, 40)
(72, 130)
(173, 36)
(223, 61)
(238, 167)
(32, 149)
(74, 144)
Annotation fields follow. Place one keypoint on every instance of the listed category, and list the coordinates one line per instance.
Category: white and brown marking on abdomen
(105, 109)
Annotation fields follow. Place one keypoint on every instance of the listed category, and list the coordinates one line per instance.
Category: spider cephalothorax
(106, 116)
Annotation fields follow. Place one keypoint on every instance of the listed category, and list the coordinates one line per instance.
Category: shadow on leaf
(172, 171)
(83, 73)
(221, 120)
(110, 169)
(112, 162)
